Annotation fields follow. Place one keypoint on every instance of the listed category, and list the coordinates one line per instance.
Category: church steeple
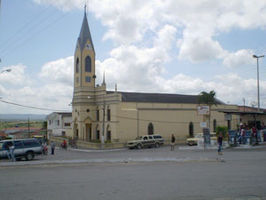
(84, 69)
(85, 34)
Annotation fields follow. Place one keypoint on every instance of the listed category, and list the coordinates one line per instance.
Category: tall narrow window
(77, 65)
(108, 114)
(214, 125)
(88, 64)
(97, 115)
(229, 124)
(150, 129)
(98, 135)
(191, 129)
(108, 136)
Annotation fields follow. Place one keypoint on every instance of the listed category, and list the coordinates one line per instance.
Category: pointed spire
(85, 34)
(85, 9)
(104, 78)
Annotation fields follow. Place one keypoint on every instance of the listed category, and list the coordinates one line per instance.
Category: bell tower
(83, 102)
(84, 59)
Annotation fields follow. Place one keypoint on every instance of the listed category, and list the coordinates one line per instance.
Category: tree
(208, 99)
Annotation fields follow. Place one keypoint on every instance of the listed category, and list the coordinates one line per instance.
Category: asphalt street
(138, 174)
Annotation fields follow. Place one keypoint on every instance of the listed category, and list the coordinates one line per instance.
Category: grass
(17, 124)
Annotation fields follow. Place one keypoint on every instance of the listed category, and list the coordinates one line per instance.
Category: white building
(59, 124)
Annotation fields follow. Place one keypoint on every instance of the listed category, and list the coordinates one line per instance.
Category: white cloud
(53, 92)
(60, 70)
(131, 22)
(132, 73)
(16, 77)
(239, 59)
(145, 34)
(200, 49)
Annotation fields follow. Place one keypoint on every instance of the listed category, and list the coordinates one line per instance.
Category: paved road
(190, 175)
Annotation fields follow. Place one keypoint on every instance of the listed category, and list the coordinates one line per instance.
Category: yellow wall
(167, 119)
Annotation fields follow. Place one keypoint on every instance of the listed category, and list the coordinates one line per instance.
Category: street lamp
(258, 82)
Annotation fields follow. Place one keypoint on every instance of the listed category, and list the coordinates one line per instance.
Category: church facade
(115, 116)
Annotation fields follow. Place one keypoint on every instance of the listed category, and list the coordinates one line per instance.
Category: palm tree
(208, 99)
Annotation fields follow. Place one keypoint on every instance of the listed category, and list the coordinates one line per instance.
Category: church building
(116, 116)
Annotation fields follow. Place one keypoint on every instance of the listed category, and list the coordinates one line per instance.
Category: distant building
(116, 116)
(250, 116)
(59, 124)
(21, 132)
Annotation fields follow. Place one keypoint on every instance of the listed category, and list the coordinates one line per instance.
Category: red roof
(2, 134)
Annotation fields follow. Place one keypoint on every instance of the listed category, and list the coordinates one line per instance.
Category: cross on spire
(85, 8)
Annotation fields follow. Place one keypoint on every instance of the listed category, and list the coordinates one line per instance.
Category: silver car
(24, 148)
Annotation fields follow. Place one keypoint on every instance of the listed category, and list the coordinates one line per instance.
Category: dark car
(24, 148)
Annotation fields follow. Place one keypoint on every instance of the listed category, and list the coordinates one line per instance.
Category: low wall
(87, 145)
(91, 145)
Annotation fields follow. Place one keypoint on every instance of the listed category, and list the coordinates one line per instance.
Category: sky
(159, 46)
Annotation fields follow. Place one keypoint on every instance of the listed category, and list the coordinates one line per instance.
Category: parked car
(199, 136)
(159, 139)
(24, 148)
(146, 141)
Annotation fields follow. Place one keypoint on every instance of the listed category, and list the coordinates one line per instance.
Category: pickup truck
(146, 141)
(24, 148)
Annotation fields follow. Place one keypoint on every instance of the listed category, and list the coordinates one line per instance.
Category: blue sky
(153, 46)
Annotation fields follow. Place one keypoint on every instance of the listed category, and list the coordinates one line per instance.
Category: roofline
(152, 93)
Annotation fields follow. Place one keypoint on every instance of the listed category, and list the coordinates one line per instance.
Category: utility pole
(29, 128)
(244, 101)
(258, 81)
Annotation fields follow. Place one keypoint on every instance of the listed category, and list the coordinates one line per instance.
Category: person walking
(172, 142)
(8, 151)
(12, 154)
(52, 147)
(220, 143)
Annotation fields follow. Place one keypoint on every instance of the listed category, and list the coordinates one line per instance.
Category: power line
(18, 32)
(32, 107)
(34, 33)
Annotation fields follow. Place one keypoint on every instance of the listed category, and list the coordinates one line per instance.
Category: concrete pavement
(163, 154)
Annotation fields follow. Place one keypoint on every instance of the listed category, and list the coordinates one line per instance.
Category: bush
(222, 129)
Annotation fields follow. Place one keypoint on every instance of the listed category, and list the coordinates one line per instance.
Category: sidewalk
(95, 161)
(181, 154)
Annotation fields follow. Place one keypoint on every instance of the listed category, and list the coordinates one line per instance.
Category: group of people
(11, 148)
(241, 136)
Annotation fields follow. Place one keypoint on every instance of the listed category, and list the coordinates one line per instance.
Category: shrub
(222, 129)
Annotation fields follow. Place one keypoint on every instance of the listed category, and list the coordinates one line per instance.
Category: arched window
(88, 64)
(108, 133)
(77, 65)
(214, 125)
(191, 129)
(150, 129)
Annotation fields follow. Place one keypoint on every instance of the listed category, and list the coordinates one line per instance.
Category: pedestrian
(64, 145)
(52, 147)
(172, 142)
(243, 136)
(220, 143)
(8, 151)
(12, 154)
(254, 135)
